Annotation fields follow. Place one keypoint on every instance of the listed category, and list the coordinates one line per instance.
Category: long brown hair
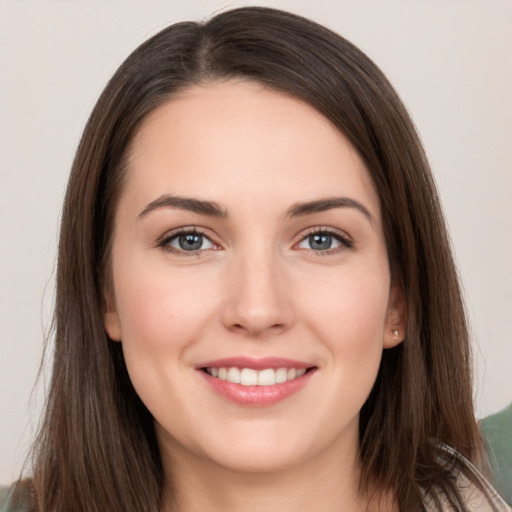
(97, 449)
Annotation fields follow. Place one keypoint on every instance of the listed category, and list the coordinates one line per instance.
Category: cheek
(161, 309)
(348, 310)
(162, 313)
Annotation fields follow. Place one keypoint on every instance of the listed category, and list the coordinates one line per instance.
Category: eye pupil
(190, 242)
(320, 242)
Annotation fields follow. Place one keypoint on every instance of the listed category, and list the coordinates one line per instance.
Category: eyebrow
(322, 205)
(213, 209)
(184, 203)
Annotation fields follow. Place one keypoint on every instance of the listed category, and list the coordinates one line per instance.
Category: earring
(395, 333)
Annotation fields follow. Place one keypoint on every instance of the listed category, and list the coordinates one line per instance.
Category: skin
(256, 288)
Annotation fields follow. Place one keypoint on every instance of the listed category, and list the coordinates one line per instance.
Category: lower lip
(256, 396)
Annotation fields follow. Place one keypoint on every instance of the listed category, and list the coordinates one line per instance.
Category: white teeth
(233, 375)
(267, 377)
(281, 375)
(251, 377)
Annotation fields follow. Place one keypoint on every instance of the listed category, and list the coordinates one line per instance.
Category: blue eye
(320, 242)
(188, 242)
(324, 241)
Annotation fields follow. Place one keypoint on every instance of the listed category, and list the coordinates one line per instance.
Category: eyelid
(344, 238)
(164, 240)
(341, 236)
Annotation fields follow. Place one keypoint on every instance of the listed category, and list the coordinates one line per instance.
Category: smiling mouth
(252, 377)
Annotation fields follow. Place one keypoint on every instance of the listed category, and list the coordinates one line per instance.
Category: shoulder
(6, 501)
(477, 493)
(499, 423)
(497, 433)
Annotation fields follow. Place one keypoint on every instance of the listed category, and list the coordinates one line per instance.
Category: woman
(257, 306)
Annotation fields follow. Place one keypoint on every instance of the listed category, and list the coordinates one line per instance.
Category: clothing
(478, 493)
(497, 432)
(5, 502)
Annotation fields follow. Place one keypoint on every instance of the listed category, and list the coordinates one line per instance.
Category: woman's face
(248, 249)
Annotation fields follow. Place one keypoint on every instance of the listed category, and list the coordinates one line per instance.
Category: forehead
(239, 139)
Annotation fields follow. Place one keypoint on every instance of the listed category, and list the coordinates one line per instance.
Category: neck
(327, 483)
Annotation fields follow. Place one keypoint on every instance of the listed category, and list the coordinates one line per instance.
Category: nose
(258, 297)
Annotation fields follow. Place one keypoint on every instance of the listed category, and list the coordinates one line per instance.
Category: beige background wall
(451, 61)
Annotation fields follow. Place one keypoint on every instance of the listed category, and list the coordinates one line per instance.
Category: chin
(261, 450)
(256, 461)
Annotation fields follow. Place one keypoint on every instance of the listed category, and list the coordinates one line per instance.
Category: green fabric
(5, 502)
(497, 432)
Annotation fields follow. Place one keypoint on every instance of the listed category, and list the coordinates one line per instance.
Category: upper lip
(254, 363)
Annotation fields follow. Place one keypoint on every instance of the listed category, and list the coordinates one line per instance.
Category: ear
(396, 317)
(111, 318)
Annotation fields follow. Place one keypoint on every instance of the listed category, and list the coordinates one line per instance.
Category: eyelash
(339, 236)
(164, 242)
